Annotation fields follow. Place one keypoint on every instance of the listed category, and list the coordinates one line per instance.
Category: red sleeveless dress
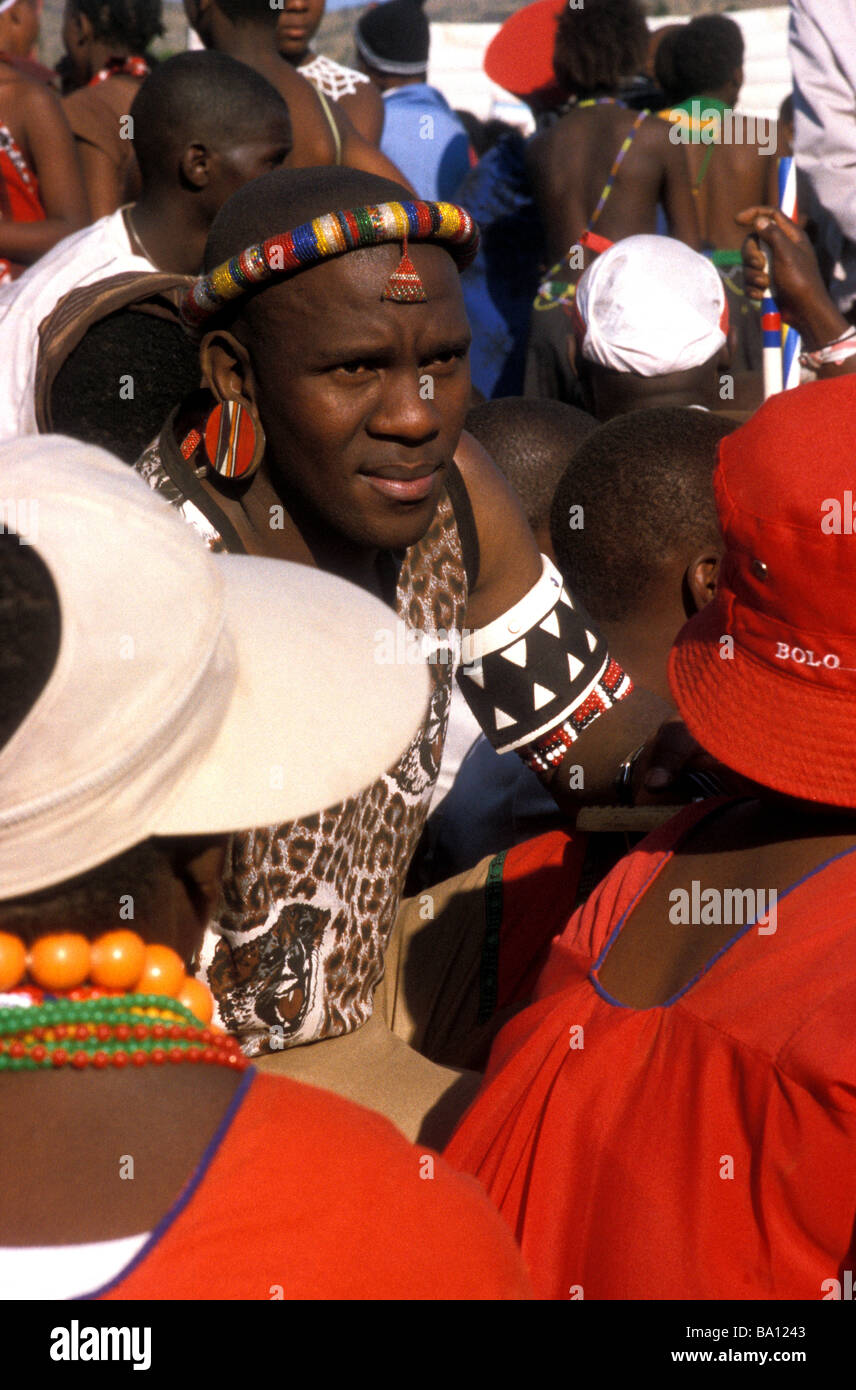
(701, 1149)
(19, 195)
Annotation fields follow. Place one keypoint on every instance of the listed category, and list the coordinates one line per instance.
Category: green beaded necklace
(110, 1030)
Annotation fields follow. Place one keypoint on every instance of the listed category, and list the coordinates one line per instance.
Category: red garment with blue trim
(610, 1151)
(303, 1195)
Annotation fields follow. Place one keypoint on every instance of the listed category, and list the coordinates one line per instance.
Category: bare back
(571, 164)
(733, 176)
(314, 139)
(72, 1192)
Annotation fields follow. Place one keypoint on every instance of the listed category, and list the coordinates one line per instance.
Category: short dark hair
(598, 44)
(133, 22)
(645, 485)
(89, 903)
(532, 441)
(204, 96)
(85, 400)
(664, 66)
(706, 54)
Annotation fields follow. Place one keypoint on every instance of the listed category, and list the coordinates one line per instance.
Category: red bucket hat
(519, 57)
(765, 675)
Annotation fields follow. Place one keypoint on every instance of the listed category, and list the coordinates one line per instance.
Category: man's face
(296, 26)
(362, 400)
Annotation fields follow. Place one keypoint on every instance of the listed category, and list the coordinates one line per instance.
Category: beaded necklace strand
(116, 67)
(619, 158)
(110, 1030)
(113, 1001)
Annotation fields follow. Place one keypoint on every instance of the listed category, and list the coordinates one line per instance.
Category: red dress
(19, 194)
(303, 1195)
(701, 1149)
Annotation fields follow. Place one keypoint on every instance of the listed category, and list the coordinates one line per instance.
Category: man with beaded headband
(335, 361)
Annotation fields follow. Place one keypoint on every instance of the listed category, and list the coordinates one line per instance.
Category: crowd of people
(426, 813)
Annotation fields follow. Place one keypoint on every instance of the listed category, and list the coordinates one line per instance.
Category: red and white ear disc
(233, 443)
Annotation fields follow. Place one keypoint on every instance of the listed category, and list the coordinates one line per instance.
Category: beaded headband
(332, 235)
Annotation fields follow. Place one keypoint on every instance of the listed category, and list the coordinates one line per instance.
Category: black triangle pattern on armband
(538, 677)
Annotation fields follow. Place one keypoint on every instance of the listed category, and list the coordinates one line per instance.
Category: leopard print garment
(308, 907)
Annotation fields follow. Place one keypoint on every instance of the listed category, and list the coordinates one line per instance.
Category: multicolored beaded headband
(332, 235)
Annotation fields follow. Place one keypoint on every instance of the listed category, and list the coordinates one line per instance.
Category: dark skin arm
(509, 558)
(509, 566)
(359, 154)
(41, 129)
(799, 289)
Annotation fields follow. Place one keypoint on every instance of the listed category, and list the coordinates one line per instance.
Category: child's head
(123, 26)
(532, 441)
(634, 530)
(707, 58)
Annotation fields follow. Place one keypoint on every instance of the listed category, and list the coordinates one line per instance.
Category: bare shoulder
(549, 153)
(17, 87)
(31, 109)
(37, 99)
(484, 481)
(364, 108)
(657, 132)
(364, 101)
(536, 151)
(509, 560)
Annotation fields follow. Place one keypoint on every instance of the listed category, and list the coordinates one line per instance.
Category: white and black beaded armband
(539, 675)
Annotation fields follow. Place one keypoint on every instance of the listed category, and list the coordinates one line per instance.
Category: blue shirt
(423, 136)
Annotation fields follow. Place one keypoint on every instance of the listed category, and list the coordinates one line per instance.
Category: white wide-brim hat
(192, 693)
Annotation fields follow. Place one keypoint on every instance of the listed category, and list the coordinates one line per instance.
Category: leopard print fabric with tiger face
(308, 907)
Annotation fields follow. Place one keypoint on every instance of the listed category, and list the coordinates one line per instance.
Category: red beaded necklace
(109, 1030)
(66, 1002)
(114, 67)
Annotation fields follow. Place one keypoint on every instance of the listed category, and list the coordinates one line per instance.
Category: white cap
(650, 305)
(192, 693)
